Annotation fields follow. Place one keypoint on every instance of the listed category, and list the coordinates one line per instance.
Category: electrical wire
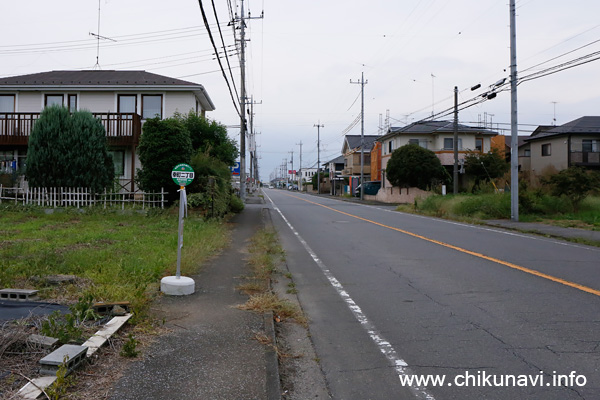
(212, 40)
(224, 48)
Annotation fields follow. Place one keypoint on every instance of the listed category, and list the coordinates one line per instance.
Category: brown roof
(94, 78)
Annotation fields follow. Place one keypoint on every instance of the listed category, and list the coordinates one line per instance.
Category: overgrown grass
(265, 254)
(116, 257)
(533, 206)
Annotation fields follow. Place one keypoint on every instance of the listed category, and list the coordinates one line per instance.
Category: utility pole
(514, 145)
(455, 174)
(292, 163)
(300, 168)
(319, 126)
(287, 174)
(362, 84)
(243, 99)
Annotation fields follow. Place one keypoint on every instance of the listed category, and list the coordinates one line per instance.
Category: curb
(271, 358)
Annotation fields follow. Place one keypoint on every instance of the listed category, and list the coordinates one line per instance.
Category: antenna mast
(98, 37)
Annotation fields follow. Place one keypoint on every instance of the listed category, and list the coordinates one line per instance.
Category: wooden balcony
(122, 129)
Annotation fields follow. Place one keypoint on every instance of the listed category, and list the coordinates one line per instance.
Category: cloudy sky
(303, 55)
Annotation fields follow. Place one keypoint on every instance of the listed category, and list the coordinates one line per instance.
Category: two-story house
(352, 150)
(437, 136)
(576, 143)
(122, 100)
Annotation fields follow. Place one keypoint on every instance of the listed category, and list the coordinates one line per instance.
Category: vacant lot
(115, 256)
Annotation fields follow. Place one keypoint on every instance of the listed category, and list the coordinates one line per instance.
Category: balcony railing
(585, 157)
(122, 129)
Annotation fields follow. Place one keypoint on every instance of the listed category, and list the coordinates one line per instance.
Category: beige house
(122, 100)
(575, 143)
(437, 136)
(352, 150)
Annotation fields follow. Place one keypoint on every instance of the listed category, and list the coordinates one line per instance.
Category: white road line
(401, 367)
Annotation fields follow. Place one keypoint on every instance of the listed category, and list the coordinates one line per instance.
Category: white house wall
(29, 102)
(179, 102)
(97, 101)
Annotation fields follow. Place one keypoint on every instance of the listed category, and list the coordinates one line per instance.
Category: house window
(589, 146)
(527, 153)
(390, 146)
(72, 102)
(127, 103)
(546, 150)
(54, 100)
(419, 142)
(119, 162)
(479, 144)
(151, 106)
(7, 103)
(449, 143)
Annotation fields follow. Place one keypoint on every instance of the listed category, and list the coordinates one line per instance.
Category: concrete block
(33, 389)
(43, 341)
(18, 294)
(69, 354)
(174, 286)
(102, 336)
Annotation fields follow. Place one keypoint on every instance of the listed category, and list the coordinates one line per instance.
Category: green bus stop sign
(182, 174)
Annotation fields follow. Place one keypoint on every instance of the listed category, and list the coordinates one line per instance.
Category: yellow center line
(473, 253)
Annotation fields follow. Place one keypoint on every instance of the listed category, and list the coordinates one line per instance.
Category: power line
(212, 40)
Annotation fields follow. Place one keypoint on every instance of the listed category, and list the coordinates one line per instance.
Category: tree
(211, 188)
(574, 182)
(163, 145)
(415, 166)
(68, 150)
(485, 167)
(210, 137)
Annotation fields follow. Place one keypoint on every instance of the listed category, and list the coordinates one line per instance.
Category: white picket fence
(80, 197)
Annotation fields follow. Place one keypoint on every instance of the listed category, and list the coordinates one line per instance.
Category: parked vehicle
(371, 188)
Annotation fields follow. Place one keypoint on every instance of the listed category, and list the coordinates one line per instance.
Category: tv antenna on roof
(98, 37)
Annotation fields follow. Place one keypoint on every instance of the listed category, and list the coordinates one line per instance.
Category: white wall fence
(80, 197)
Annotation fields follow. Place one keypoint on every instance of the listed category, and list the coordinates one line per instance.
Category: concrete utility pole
(362, 84)
(514, 132)
(319, 126)
(292, 163)
(243, 107)
(243, 102)
(455, 174)
(300, 168)
(287, 174)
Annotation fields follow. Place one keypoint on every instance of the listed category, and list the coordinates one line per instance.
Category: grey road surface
(393, 297)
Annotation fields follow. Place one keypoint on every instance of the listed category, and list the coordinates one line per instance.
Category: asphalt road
(393, 296)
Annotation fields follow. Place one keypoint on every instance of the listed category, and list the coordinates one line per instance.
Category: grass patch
(268, 301)
(115, 257)
(265, 254)
(533, 207)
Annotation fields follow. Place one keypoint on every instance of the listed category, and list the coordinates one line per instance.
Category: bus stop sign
(182, 174)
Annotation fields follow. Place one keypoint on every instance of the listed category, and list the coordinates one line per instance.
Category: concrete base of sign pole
(174, 286)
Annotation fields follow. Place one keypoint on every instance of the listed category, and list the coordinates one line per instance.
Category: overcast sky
(303, 55)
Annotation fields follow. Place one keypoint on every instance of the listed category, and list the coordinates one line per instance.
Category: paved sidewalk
(547, 230)
(211, 352)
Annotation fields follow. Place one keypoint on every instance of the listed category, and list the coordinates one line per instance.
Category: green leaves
(414, 166)
(68, 150)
